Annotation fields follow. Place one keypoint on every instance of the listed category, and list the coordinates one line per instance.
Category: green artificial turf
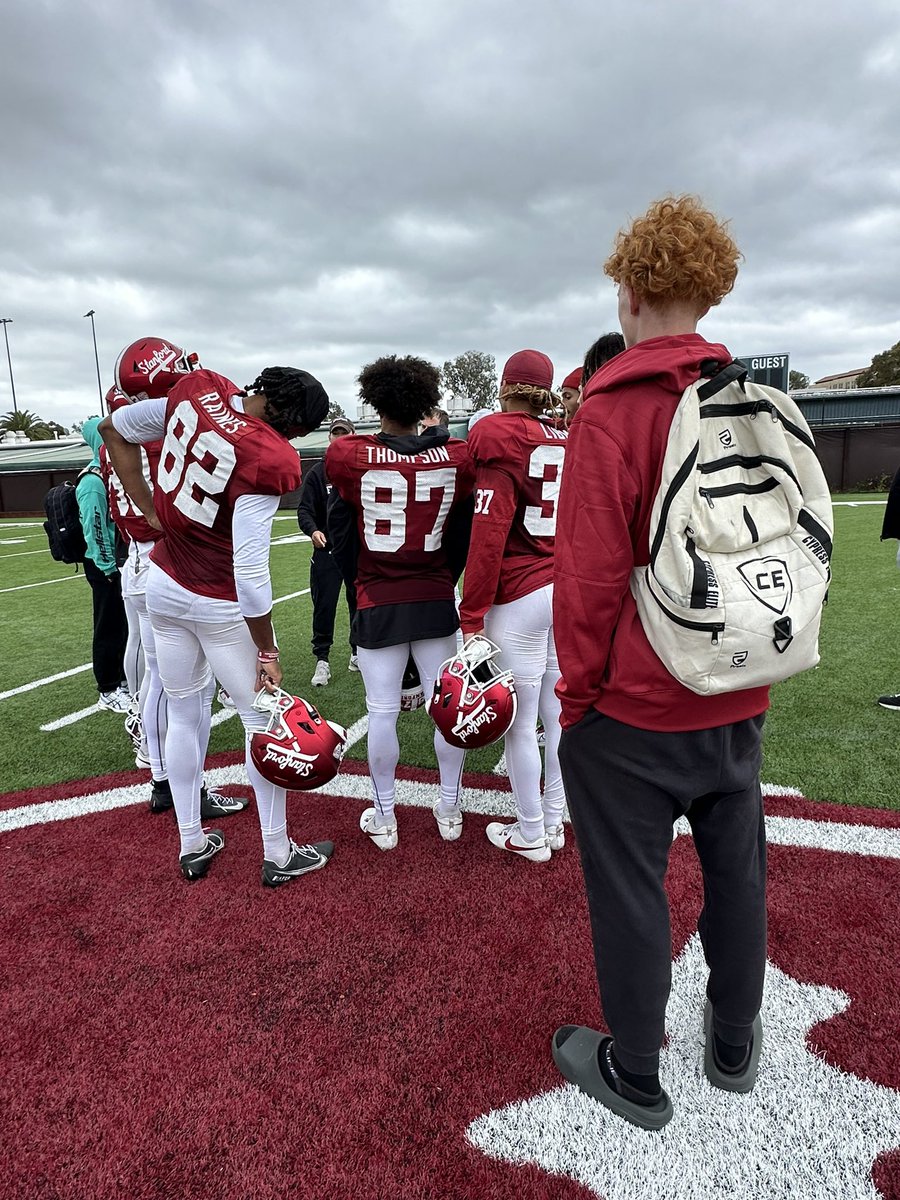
(825, 734)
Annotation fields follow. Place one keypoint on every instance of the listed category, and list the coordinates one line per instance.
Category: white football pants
(382, 672)
(523, 629)
(197, 638)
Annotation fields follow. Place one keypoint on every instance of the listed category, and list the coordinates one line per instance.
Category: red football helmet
(116, 399)
(298, 750)
(474, 702)
(149, 367)
(412, 694)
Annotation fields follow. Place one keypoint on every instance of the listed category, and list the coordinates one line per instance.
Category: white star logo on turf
(807, 1131)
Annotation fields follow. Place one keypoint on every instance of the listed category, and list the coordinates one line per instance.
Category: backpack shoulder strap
(718, 377)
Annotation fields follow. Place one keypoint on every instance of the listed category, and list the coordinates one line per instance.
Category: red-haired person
(638, 749)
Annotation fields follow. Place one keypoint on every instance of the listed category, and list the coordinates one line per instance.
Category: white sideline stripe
(28, 687)
(357, 732)
(89, 712)
(863, 840)
(501, 768)
(21, 525)
(72, 718)
(290, 538)
(24, 553)
(24, 586)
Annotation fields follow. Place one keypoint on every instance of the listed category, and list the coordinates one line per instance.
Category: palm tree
(34, 427)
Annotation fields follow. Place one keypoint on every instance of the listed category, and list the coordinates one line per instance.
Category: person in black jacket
(891, 529)
(325, 577)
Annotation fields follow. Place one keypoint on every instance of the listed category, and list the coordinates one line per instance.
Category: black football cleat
(195, 865)
(161, 797)
(214, 805)
(303, 860)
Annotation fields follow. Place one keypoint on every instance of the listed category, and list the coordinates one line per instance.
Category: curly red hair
(676, 252)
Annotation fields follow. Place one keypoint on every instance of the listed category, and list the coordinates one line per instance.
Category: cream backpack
(740, 539)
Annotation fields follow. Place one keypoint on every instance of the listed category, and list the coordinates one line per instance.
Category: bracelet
(268, 655)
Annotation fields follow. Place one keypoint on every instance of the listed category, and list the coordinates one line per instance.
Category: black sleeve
(311, 507)
(457, 532)
(343, 538)
(891, 526)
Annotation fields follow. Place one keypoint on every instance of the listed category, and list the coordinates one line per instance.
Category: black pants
(625, 787)
(325, 581)
(110, 627)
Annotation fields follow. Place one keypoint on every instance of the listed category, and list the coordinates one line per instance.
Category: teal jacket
(93, 505)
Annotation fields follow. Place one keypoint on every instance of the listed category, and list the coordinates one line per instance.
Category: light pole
(96, 357)
(4, 321)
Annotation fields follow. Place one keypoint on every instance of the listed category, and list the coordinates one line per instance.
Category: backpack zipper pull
(706, 496)
(715, 637)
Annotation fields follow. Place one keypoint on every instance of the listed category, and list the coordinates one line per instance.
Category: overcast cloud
(316, 184)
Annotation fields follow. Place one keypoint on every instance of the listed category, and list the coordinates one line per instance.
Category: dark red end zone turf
(334, 1039)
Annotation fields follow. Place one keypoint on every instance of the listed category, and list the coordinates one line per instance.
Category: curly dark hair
(401, 389)
(295, 400)
(607, 346)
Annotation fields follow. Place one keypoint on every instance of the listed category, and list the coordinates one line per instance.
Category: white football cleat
(556, 835)
(509, 837)
(353, 664)
(322, 673)
(451, 825)
(385, 837)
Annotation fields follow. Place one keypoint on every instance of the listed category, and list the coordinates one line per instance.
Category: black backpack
(63, 524)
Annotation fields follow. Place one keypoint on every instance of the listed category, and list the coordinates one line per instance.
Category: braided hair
(607, 346)
(295, 399)
(540, 400)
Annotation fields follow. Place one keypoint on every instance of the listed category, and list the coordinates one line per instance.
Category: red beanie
(529, 366)
(573, 379)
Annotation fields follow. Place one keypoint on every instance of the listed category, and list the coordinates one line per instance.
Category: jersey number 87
(385, 520)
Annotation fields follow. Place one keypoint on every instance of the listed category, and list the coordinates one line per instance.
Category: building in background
(839, 383)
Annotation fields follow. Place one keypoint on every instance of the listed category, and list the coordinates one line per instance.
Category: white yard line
(501, 768)
(24, 586)
(29, 687)
(224, 715)
(72, 718)
(22, 553)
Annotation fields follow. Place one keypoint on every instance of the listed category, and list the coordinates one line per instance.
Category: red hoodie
(613, 468)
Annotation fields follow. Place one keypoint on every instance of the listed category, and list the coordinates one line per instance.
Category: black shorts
(393, 624)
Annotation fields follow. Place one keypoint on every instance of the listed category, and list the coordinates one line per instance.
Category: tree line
(471, 379)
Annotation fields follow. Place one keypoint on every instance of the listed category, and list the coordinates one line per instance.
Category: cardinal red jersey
(401, 502)
(130, 521)
(212, 454)
(519, 463)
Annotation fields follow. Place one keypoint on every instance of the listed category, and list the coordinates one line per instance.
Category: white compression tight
(154, 705)
(523, 629)
(134, 657)
(382, 672)
(190, 652)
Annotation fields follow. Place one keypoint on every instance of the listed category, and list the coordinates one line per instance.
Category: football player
(508, 592)
(398, 523)
(147, 722)
(225, 462)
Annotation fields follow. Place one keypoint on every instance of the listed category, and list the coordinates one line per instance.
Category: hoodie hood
(415, 443)
(670, 362)
(93, 439)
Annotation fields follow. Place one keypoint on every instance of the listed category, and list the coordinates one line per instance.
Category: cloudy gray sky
(320, 183)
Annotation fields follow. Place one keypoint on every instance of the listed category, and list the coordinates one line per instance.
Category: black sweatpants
(110, 627)
(325, 581)
(625, 788)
